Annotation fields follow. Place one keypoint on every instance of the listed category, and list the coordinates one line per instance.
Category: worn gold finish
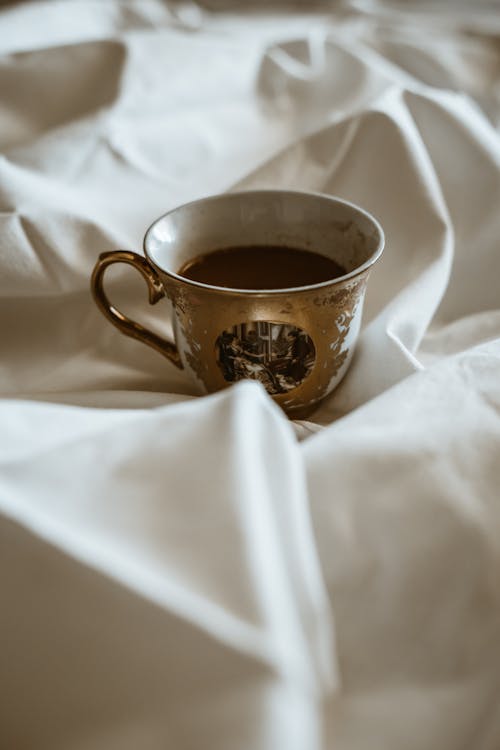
(325, 315)
(298, 343)
(122, 322)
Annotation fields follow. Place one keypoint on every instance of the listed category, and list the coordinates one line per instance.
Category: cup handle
(126, 325)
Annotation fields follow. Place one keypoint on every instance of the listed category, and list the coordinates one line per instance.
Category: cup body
(297, 342)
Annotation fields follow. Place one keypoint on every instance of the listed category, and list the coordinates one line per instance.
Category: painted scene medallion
(278, 355)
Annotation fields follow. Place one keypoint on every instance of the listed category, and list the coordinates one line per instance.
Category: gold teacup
(298, 342)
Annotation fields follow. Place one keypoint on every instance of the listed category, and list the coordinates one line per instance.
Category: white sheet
(184, 572)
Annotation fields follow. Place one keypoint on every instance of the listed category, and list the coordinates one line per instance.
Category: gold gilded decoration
(278, 355)
(122, 322)
(342, 323)
(342, 297)
(347, 300)
(297, 342)
(195, 362)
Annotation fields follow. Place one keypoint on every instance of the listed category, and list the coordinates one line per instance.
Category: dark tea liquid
(261, 267)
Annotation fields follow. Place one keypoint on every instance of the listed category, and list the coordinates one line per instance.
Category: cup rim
(265, 292)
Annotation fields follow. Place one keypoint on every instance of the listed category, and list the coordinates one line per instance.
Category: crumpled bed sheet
(184, 572)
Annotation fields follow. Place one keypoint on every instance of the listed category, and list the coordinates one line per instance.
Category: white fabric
(180, 572)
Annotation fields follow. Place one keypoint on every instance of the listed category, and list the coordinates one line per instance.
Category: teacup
(297, 341)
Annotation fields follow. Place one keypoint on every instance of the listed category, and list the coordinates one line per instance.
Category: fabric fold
(182, 572)
(216, 534)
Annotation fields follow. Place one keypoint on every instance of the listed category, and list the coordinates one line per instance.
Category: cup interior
(310, 221)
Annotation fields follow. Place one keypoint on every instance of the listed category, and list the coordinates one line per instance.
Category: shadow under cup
(297, 342)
